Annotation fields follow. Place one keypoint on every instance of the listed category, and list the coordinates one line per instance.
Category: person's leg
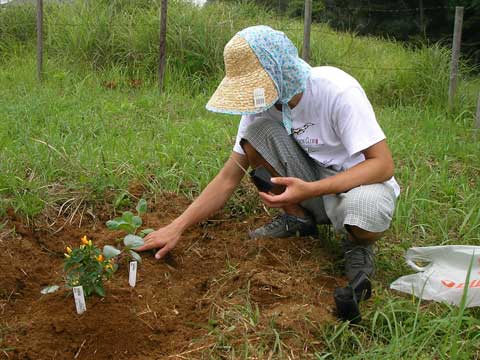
(267, 144)
(361, 236)
(367, 212)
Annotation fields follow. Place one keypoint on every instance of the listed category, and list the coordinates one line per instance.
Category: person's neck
(292, 103)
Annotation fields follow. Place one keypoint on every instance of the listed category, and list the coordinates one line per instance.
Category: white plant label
(132, 276)
(259, 97)
(79, 299)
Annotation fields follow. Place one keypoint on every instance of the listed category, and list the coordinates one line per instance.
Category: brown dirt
(214, 267)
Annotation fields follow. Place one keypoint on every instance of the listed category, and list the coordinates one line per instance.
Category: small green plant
(129, 223)
(86, 266)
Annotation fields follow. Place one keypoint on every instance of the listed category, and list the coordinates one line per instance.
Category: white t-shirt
(333, 122)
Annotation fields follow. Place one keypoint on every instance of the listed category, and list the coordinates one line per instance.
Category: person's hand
(296, 191)
(165, 239)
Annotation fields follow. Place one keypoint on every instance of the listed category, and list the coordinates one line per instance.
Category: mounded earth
(210, 283)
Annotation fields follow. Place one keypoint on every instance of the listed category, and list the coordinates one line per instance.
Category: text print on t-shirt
(309, 144)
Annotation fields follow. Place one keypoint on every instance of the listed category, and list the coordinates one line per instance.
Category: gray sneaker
(358, 258)
(285, 226)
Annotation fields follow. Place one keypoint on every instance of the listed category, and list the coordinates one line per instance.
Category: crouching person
(315, 131)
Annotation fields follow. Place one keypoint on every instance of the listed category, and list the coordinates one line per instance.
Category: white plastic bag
(444, 275)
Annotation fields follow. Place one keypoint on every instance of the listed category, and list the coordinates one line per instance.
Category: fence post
(422, 19)
(477, 122)
(40, 40)
(162, 44)
(457, 38)
(307, 27)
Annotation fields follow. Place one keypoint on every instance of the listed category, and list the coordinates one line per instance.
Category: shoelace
(279, 220)
(275, 222)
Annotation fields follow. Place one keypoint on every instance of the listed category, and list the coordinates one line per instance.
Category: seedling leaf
(133, 241)
(110, 251)
(112, 224)
(127, 227)
(135, 256)
(127, 216)
(142, 206)
(137, 221)
(49, 289)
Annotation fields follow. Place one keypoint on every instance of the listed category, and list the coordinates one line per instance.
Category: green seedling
(129, 223)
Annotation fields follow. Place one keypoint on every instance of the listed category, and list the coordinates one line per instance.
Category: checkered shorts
(370, 207)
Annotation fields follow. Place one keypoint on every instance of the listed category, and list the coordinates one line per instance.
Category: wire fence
(285, 29)
(279, 22)
(373, 9)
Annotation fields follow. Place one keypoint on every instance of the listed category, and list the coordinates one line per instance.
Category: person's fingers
(149, 237)
(151, 242)
(150, 245)
(273, 201)
(146, 246)
(265, 197)
(162, 252)
(282, 180)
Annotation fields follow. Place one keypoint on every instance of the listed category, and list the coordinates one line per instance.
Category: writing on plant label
(79, 299)
(132, 277)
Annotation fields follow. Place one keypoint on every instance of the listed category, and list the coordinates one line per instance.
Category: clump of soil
(173, 306)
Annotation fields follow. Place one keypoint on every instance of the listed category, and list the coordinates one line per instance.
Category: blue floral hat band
(262, 67)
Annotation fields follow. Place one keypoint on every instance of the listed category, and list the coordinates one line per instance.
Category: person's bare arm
(377, 167)
(212, 198)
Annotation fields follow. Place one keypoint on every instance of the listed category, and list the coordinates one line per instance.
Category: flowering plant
(86, 266)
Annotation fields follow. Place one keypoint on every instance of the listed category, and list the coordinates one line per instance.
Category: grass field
(98, 124)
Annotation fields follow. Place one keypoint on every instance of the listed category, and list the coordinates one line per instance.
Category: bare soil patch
(177, 301)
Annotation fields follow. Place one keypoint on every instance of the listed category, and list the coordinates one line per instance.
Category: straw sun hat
(247, 88)
(262, 68)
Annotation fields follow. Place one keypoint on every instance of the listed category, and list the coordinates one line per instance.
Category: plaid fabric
(369, 207)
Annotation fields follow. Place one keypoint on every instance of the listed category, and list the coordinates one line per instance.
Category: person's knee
(263, 125)
(368, 212)
(367, 222)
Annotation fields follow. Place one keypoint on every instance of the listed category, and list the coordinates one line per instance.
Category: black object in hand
(348, 298)
(261, 178)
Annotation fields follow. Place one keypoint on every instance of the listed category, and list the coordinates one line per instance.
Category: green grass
(75, 137)
(123, 34)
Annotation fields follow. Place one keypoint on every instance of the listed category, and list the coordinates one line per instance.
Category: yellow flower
(69, 250)
(84, 240)
(109, 266)
(89, 242)
(66, 255)
(100, 258)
